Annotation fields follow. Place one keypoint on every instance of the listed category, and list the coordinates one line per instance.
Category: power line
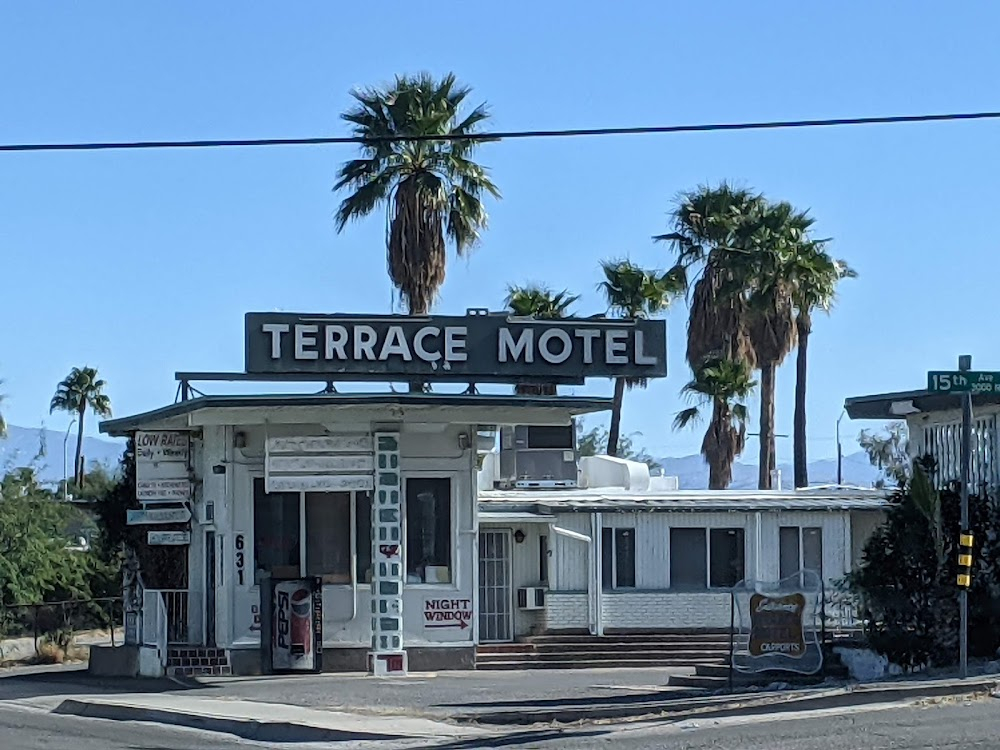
(501, 135)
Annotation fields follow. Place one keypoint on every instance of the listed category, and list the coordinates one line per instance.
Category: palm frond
(686, 417)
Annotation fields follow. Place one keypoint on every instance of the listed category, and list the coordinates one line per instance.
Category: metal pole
(66, 459)
(964, 364)
(840, 457)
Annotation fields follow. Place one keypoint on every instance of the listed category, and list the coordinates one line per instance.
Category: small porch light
(518, 536)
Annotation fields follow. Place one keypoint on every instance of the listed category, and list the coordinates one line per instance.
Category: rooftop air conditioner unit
(538, 457)
(532, 597)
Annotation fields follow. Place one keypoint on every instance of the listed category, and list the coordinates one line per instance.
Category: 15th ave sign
(485, 347)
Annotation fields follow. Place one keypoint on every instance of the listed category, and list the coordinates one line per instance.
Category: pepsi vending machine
(296, 625)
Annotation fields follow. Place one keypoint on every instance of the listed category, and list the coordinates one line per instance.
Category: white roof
(613, 499)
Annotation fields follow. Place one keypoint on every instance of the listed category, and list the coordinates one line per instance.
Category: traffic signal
(965, 560)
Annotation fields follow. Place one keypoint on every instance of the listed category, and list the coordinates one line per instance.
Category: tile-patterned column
(388, 656)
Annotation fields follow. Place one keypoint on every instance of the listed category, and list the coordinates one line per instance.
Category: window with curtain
(428, 530)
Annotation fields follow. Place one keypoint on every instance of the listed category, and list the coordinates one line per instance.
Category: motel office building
(425, 544)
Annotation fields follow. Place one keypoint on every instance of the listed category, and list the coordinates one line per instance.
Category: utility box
(538, 457)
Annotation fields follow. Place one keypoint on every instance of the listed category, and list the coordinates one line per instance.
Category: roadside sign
(162, 490)
(157, 515)
(957, 381)
(168, 538)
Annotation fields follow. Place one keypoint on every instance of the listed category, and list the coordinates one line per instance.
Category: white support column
(387, 655)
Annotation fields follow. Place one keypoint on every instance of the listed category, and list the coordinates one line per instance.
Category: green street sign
(957, 381)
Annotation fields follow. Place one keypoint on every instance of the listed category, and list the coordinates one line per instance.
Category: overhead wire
(499, 135)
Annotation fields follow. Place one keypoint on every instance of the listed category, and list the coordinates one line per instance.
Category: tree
(777, 232)
(712, 228)
(814, 275)
(78, 391)
(889, 451)
(724, 384)
(905, 582)
(536, 301)
(633, 293)
(432, 190)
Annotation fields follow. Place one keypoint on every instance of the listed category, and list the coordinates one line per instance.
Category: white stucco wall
(346, 612)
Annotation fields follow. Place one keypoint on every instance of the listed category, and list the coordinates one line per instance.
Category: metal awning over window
(512, 517)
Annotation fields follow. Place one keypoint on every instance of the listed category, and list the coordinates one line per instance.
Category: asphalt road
(952, 725)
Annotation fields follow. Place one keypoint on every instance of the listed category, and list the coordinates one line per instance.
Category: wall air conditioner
(538, 457)
(532, 597)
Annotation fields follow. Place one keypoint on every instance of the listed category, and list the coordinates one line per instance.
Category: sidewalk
(447, 706)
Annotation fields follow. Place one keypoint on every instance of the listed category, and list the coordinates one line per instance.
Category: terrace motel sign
(478, 347)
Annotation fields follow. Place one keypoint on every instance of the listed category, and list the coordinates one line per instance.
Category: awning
(495, 516)
(899, 405)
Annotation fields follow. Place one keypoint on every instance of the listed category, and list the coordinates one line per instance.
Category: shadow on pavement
(36, 684)
(515, 738)
(586, 700)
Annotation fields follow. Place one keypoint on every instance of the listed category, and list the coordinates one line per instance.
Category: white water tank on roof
(610, 471)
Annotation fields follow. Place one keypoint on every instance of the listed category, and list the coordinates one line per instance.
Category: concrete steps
(631, 650)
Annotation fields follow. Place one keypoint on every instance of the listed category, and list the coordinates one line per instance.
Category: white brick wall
(565, 611)
(653, 609)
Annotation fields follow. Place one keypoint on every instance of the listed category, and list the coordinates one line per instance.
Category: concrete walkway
(262, 722)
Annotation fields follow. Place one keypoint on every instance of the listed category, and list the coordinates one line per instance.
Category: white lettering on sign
(565, 344)
(317, 464)
(168, 538)
(447, 613)
(362, 342)
(513, 351)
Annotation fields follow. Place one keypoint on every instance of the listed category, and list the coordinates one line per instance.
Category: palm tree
(815, 275)
(725, 384)
(776, 234)
(536, 301)
(633, 293)
(80, 389)
(712, 227)
(432, 190)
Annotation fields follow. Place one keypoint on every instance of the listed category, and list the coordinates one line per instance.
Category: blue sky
(142, 263)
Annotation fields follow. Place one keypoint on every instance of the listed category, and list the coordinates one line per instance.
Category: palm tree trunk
(614, 433)
(77, 466)
(718, 456)
(766, 461)
(804, 326)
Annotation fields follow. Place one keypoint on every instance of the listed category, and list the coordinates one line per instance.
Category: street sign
(168, 538)
(957, 381)
(160, 490)
(157, 515)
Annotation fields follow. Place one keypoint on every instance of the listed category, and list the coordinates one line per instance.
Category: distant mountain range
(692, 472)
(24, 444)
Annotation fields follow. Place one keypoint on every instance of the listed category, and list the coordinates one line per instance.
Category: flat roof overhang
(903, 403)
(331, 407)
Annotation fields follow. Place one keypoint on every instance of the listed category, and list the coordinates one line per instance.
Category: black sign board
(487, 347)
(776, 625)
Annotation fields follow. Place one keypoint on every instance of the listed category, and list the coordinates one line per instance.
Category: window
(428, 530)
(618, 558)
(328, 536)
(550, 436)
(543, 559)
(800, 548)
(687, 558)
(701, 558)
(279, 533)
(727, 555)
(275, 532)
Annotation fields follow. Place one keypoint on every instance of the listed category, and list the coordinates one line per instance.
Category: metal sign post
(964, 365)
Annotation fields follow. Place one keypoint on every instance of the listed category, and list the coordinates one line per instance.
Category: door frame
(508, 535)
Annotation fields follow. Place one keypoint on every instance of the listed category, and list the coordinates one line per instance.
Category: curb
(747, 704)
(248, 729)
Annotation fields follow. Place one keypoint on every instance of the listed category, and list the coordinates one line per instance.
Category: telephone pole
(964, 365)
